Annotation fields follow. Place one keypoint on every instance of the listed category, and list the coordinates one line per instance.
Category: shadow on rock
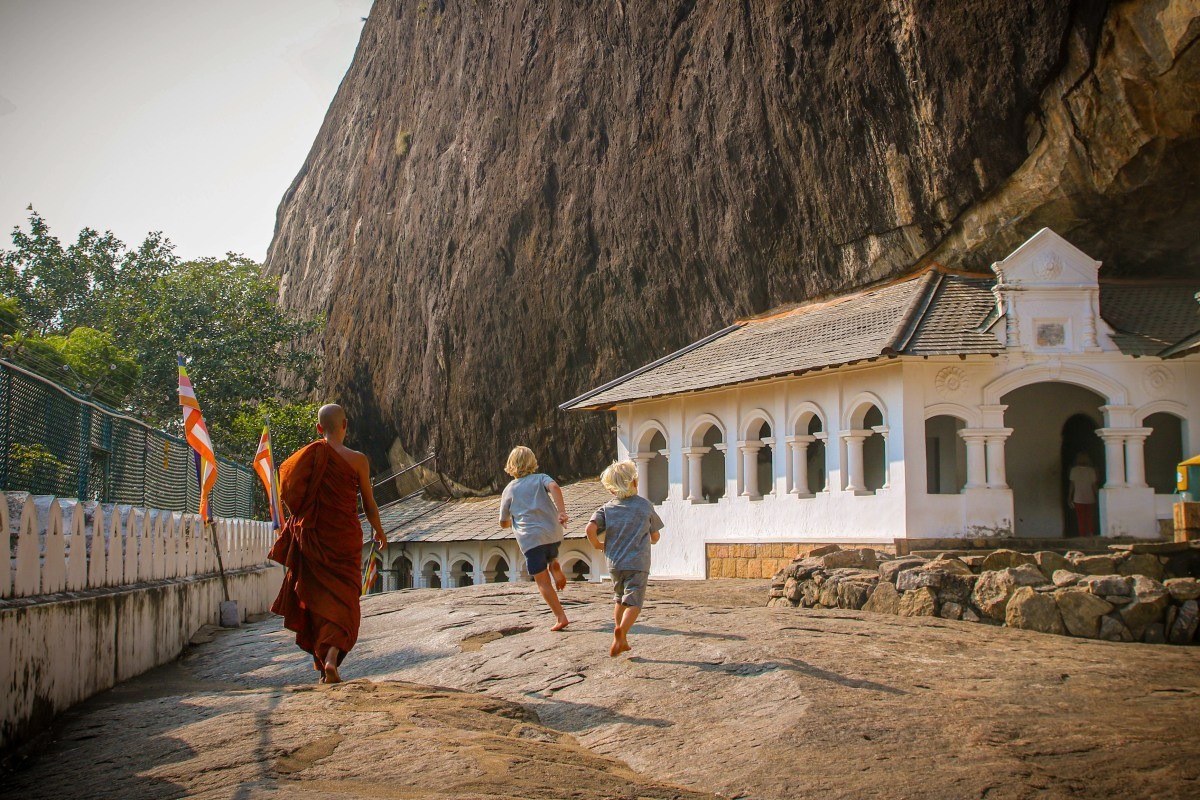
(750, 669)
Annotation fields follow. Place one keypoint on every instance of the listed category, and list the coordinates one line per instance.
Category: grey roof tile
(475, 519)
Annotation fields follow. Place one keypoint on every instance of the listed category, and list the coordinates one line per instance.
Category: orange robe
(321, 546)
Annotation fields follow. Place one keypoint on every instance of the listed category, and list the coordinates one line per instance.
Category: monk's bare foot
(560, 625)
(331, 674)
(560, 580)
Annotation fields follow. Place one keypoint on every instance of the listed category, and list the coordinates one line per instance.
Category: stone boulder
(917, 578)
(1081, 612)
(791, 590)
(1183, 628)
(1049, 562)
(1003, 559)
(1141, 564)
(1155, 633)
(823, 550)
(884, 600)
(957, 588)
(888, 570)
(1096, 565)
(1106, 585)
(863, 558)
(852, 593)
(920, 602)
(953, 566)
(1033, 611)
(1112, 629)
(1065, 577)
(992, 592)
(1029, 575)
(1183, 589)
(1150, 601)
(950, 610)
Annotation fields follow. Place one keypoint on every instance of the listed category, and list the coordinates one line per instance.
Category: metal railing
(55, 442)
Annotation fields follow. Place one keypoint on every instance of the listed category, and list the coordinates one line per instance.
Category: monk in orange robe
(321, 543)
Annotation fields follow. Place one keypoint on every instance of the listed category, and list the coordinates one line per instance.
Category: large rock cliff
(511, 202)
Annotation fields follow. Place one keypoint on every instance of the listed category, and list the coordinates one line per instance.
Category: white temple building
(944, 404)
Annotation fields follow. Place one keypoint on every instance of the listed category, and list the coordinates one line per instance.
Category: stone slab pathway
(720, 694)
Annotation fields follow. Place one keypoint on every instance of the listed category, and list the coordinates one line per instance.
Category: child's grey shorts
(629, 586)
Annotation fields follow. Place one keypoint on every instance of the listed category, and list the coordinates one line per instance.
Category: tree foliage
(293, 425)
(109, 321)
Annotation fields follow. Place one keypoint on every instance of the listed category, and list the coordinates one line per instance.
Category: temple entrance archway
(1052, 422)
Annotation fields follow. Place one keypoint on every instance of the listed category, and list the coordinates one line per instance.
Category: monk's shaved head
(331, 416)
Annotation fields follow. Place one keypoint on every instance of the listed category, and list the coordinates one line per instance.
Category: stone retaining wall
(1140, 592)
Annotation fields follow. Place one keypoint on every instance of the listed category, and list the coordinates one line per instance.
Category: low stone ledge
(1134, 593)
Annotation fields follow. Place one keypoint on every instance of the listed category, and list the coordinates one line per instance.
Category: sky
(189, 117)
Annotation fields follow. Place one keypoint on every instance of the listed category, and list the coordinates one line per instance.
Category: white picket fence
(58, 545)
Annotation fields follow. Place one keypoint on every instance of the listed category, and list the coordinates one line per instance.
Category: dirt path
(720, 694)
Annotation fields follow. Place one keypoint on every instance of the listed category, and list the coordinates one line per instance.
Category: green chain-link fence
(54, 442)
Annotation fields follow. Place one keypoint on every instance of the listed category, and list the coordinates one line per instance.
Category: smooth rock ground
(719, 694)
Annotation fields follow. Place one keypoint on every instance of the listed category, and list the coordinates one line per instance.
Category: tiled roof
(475, 519)
(1149, 318)
(934, 312)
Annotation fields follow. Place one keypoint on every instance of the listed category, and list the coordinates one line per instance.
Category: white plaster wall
(833, 515)
(61, 649)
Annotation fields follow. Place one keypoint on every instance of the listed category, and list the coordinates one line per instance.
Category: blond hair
(619, 478)
(521, 462)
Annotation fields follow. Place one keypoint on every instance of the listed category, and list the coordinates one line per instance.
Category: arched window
(1163, 451)
(497, 570)
(712, 466)
(815, 455)
(402, 572)
(945, 455)
(766, 461)
(462, 574)
(431, 575)
(658, 481)
(578, 570)
(874, 451)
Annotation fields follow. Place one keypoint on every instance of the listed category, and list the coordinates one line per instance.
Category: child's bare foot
(560, 625)
(560, 580)
(625, 646)
(617, 647)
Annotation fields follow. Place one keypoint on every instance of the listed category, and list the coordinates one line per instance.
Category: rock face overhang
(510, 203)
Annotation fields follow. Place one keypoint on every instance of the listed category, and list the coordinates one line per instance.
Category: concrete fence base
(56, 650)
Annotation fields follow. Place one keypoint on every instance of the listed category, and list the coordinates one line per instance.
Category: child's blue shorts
(538, 559)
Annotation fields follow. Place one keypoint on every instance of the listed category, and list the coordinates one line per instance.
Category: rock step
(932, 548)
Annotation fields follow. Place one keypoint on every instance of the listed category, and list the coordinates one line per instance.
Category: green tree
(100, 368)
(135, 309)
(293, 425)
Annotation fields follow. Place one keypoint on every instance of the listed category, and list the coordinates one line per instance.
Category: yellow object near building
(1187, 479)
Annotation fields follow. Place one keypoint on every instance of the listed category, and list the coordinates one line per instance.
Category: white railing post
(97, 557)
(28, 578)
(118, 563)
(138, 534)
(75, 543)
(53, 545)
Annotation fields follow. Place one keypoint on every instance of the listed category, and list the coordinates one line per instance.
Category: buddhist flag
(371, 568)
(196, 433)
(264, 465)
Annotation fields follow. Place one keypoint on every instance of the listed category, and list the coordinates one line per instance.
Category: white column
(695, 489)
(855, 482)
(1114, 456)
(996, 477)
(642, 460)
(976, 457)
(799, 446)
(1135, 455)
(750, 468)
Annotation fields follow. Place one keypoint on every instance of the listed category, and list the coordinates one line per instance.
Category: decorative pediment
(1049, 292)
(1047, 260)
